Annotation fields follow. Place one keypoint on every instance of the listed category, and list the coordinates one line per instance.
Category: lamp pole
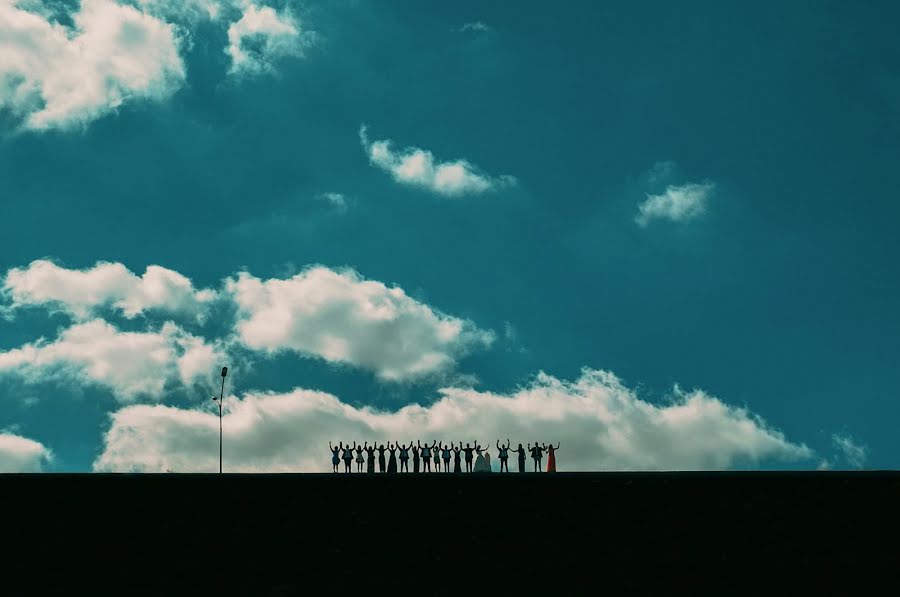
(219, 399)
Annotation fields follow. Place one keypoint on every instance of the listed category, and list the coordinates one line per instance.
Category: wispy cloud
(852, 452)
(475, 27)
(676, 203)
(418, 167)
(337, 200)
(261, 36)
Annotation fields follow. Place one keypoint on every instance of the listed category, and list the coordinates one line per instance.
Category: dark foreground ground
(582, 534)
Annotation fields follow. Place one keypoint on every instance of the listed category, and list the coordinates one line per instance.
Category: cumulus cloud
(676, 203)
(130, 364)
(600, 424)
(417, 167)
(261, 36)
(22, 455)
(342, 318)
(82, 291)
(55, 77)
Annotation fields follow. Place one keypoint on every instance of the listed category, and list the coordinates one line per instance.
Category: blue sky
(661, 235)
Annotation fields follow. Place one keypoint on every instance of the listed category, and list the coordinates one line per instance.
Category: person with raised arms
(381, 467)
(404, 457)
(551, 457)
(426, 455)
(456, 459)
(503, 455)
(445, 453)
(335, 458)
(370, 458)
(348, 457)
(392, 461)
(521, 452)
(468, 452)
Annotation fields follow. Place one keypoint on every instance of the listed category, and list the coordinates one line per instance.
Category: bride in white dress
(482, 461)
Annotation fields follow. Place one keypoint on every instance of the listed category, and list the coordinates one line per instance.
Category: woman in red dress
(551, 457)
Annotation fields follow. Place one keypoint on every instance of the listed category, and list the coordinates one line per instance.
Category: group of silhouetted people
(476, 458)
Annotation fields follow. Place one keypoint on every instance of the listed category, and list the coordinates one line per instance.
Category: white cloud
(417, 167)
(54, 77)
(22, 455)
(342, 318)
(130, 364)
(854, 453)
(260, 37)
(82, 292)
(677, 203)
(600, 424)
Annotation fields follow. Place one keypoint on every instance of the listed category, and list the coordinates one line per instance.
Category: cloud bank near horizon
(600, 423)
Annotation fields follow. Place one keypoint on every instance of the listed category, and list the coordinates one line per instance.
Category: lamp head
(224, 371)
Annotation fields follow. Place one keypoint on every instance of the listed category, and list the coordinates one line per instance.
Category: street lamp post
(219, 399)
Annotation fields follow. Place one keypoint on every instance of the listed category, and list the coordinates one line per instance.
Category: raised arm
(507, 443)
(330, 447)
(557, 445)
(498, 444)
(433, 444)
(354, 444)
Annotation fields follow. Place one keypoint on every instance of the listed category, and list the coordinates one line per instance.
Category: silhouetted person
(436, 449)
(521, 452)
(415, 459)
(551, 457)
(348, 457)
(359, 459)
(468, 451)
(404, 457)
(370, 458)
(503, 455)
(335, 458)
(445, 454)
(392, 461)
(456, 458)
(482, 461)
(537, 454)
(426, 456)
(381, 467)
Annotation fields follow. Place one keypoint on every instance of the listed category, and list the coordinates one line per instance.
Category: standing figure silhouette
(359, 459)
(551, 457)
(437, 457)
(468, 451)
(521, 452)
(348, 457)
(445, 454)
(426, 455)
(415, 459)
(392, 461)
(404, 457)
(504, 455)
(335, 459)
(537, 454)
(456, 451)
(381, 467)
(370, 458)
(482, 461)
